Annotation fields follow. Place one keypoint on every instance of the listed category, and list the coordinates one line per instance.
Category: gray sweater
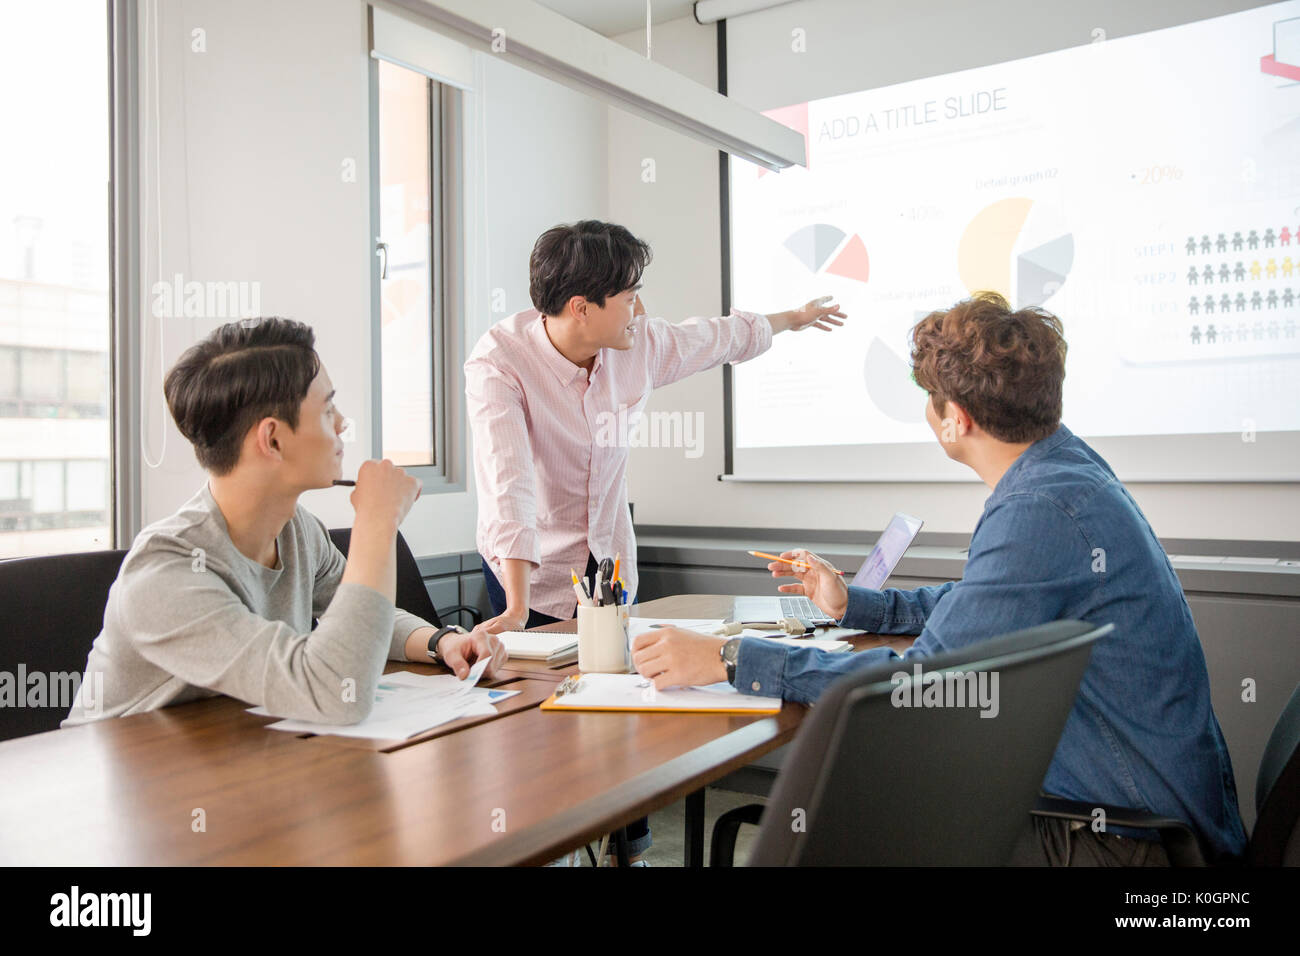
(189, 616)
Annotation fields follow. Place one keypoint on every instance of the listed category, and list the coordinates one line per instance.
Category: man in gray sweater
(220, 597)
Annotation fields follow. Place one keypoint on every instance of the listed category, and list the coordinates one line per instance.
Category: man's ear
(961, 419)
(576, 308)
(268, 434)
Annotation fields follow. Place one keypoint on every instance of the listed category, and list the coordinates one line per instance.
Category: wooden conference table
(205, 783)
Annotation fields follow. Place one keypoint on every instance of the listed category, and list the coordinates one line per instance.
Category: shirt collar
(1039, 449)
(565, 371)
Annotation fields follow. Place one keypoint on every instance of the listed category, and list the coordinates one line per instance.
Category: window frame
(446, 237)
(121, 217)
(124, 263)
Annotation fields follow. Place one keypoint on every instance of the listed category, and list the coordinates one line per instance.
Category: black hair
(590, 258)
(241, 373)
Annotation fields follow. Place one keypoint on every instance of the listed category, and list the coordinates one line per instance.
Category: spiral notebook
(547, 646)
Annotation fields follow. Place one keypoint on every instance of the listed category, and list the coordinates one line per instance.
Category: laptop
(884, 557)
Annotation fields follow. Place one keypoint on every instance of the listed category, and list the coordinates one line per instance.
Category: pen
(577, 589)
(798, 564)
(345, 481)
(604, 573)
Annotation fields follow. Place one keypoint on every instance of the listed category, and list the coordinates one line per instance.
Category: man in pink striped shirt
(553, 395)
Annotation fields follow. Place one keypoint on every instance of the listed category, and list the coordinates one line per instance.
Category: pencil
(798, 564)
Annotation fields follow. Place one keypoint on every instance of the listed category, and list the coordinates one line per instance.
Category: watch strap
(438, 635)
(730, 654)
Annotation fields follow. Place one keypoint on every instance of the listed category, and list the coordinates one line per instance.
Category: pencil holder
(602, 640)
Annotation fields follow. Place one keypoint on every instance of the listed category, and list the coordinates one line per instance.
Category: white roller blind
(418, 48)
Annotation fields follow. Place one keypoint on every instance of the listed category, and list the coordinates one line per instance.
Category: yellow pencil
(798, 564)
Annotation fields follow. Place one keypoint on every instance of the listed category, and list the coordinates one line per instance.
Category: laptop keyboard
(801, 607)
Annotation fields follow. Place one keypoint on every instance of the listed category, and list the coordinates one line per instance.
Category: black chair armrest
(474, 613)
(722, 847)
(1182, 845)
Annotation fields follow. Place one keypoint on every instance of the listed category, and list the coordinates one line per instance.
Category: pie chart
(822, 247)
(1019, 247)
(890, 385)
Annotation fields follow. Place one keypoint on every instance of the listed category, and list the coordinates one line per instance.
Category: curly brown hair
(1004, 368)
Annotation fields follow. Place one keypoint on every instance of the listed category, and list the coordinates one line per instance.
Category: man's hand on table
(508, 620)
(673, 657)
(459, 651)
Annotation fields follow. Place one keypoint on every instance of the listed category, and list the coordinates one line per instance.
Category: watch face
(731, 651)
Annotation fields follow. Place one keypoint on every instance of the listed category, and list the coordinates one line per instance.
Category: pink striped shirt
(551, 447)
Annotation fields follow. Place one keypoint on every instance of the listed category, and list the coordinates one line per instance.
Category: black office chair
(1183, 846)
(871, 783)
(412, 595)
(1275, 841)
(51, 611)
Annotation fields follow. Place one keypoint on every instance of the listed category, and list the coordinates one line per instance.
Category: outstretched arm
(682, 349)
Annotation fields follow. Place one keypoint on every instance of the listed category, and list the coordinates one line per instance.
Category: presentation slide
(1144, 189)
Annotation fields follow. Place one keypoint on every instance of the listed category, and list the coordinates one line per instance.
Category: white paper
(639, 625)
(407, 704)
(836, 634)
(635, 692)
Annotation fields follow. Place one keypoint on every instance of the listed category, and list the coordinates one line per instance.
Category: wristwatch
(439, 635)
(730, 653)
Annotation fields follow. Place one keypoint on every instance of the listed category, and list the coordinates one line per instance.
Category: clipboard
(632, 693)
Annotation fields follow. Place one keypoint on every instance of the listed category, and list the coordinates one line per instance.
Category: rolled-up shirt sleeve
(693, 345)
(503, 464)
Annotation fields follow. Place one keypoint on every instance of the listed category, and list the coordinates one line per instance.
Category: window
(55, 316)
(417, 273)
(42, 376)
(52, 494)
(87, 380)
(8, 483)
(8, 378)
(410, 307)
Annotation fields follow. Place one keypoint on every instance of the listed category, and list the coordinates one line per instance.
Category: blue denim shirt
(1060, 537)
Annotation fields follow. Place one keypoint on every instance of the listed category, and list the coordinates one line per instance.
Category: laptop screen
(888, 551)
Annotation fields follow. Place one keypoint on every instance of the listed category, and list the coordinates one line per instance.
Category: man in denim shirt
(1060, 537)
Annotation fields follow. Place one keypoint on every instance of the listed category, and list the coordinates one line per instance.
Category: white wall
(679, 212)
(255, 131)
